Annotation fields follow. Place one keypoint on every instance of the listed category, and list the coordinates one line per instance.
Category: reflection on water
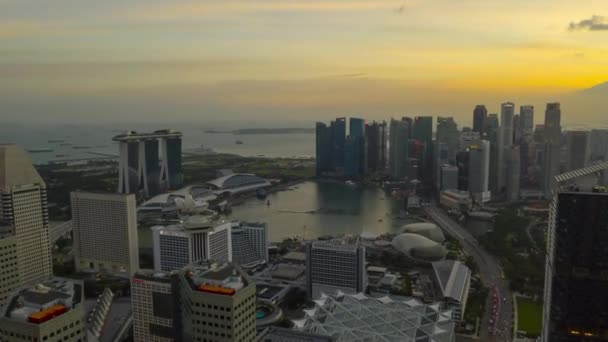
(313, 209)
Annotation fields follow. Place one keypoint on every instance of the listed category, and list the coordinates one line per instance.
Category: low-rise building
(52, 311)
(455, 199)
(454, 280)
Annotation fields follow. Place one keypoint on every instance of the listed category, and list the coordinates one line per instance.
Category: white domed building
(426, 229)
(419, 247)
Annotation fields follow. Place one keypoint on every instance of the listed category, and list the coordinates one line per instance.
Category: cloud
(595, 23)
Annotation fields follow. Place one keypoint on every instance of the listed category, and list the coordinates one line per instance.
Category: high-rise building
(338, 139)
(154, 307)
(598, 140)
(9, 273)
(193, 240)
(578, 150)
(324, 148)
(527, 120)
(552, 127)
(356, 127)
(479, 171)
(423, 132)
(467, 139)
(448, 178)
(576, 303)
(447, 133)
(375, 147)
(539, 134)
(492, 122)
(517, 129)
(354, 156)
(149, 162)
(331, 266)
(399, 147)
(462, 162)
(105, 232)
(423, 129)
(49, 311)
(217, 303)
(513, 169)
(505, 141)
(24, 219)
(492, 136)
(480, 114)
(550, 168)
(249, 244)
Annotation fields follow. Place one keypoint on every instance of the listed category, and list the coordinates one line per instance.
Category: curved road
(491, 275)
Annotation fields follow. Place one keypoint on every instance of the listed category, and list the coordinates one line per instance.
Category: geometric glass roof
(387, 319)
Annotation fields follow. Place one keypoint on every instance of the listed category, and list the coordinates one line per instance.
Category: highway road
(491, 274)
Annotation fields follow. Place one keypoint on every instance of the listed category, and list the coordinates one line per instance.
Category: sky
(115, 60)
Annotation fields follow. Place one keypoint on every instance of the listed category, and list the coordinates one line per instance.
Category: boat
(66, 144)
(238, 142)
(351, 183)
(40, 150)
(81, 147)
(55, 141)
(61, 155)
(261, 193)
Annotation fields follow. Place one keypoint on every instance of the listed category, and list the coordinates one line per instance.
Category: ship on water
(40, 150)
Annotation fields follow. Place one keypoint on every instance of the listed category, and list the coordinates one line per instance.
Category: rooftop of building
(192, 224)
(295, 256)
(215, 278)
(452, 276)
(43, 302)
(151, 275)
(362, 318)
(16, 168)
(135, 136)
(335, 244)
(275, 334)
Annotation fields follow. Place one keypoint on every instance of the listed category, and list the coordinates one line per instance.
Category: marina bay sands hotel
(149, 162)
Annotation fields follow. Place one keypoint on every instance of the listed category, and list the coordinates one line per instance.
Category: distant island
(249, 131)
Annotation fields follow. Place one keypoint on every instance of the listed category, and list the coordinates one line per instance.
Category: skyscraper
(356, 127)
(338, 139)
(513, 170)
(155, 310)
(552, 128)
(599, 144)
(324, 148)
(249, 244)
(375, 146)
(399, 147)
(576, 303)
(505, 141)
(24, 219)
(172, 161)
(578, 148)
(550, 168)
(527, 120)
(423, 132)
(447, 133)
(105, 232)
(193, 240)
(462, 162)
(217, 303)
(354, 156)
(479, 171)
(492, 122)
(332, 266)
(517, 129)
(480, 114)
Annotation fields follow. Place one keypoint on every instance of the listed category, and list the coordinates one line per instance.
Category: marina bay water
(313, 209)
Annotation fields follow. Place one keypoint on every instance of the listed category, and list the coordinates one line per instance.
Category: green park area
(529, 316)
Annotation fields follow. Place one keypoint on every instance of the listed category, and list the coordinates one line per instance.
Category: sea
(70, 142)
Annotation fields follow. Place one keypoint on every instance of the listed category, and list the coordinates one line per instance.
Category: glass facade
(174, 162)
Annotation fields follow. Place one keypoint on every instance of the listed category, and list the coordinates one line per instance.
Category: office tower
(356, 127)
(492, 122)
(552, 127)
(462, 162)
(539, 134)
(525, 148)
(338, 139)
(447, 133)
(24, 218)
(441, 154)
(517, 129)
(449, 178)
(479, 171)
(149, 162)
(598, 140)
(375, 147)
(9, 273)
(578, 150)
(423, 132)
(217, 303)
(155, 310)
(324, 148)
(331, 266)
(398, 148)
(467, 139)
(505, 141)
(354, 156)
(513, 169)
(527, 120)
(550, 168)
(249, 244)
(193, 240)
(480, 114)
(576, 301)
(105, 232)
(423, 129)
(50, 311)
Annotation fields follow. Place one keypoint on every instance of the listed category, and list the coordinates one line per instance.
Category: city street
(491, 275)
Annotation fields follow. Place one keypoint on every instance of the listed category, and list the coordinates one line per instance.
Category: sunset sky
(66, 59)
